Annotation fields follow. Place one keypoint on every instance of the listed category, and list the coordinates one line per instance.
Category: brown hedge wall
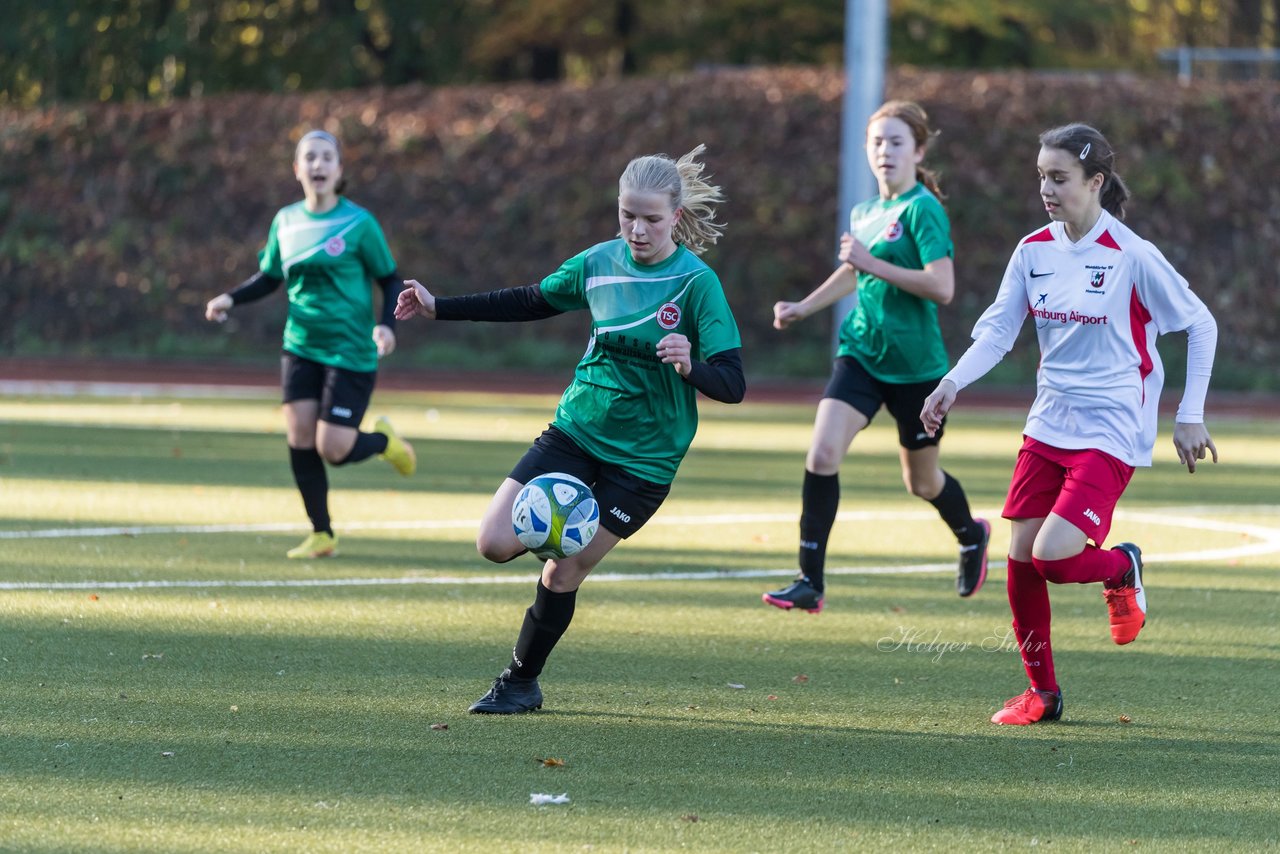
(117, 222)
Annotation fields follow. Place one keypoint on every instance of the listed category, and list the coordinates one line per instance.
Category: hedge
(118, 222)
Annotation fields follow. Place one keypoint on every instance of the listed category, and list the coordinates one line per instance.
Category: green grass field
(170, 683)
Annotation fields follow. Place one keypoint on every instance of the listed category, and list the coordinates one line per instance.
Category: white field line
(1267, 541)
(425, 525)
(98, 388)
(406, 580)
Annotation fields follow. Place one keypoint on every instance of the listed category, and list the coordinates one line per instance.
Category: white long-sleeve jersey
(1098, 305)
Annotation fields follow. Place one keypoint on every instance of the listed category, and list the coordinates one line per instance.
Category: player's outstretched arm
(415, 300)
(216, 309)
(786, 313)
(937, 405)
(842, 282)
(1191, 442)
(384, 338)
(253, 288)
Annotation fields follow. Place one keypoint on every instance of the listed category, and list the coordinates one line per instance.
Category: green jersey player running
(897, 256)
(661, 331)
(328, 249)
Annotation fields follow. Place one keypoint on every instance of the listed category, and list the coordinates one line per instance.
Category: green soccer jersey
(894, 334)
(327, 261)
(624, 405)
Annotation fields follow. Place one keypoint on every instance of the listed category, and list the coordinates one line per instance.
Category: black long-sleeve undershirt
(719, 378)
(507, 305)
(254, 288)
(260, 285)
(391, 285)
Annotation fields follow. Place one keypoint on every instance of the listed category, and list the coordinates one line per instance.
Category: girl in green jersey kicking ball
(661, 331)
(897, 257)
(328, 250)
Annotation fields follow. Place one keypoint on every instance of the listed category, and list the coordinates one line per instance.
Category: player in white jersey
(1099, 296)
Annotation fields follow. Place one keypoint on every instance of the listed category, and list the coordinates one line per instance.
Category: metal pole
(865, 53)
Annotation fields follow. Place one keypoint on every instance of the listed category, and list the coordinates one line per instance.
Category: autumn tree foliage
(157, 50)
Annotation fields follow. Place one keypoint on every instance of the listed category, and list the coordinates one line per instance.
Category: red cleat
(1127, 604)
(1029, 707)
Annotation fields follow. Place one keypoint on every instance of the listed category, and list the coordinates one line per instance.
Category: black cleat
(799, 594)
(509, 695)
(973, 563)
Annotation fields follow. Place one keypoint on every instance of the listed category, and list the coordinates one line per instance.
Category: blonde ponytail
(685, 186)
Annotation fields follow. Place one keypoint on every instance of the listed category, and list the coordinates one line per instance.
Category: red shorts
(1080, 486)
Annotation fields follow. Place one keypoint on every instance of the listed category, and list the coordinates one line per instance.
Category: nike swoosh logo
(1036, 275)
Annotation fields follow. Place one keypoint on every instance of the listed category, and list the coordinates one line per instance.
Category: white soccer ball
(555, 515)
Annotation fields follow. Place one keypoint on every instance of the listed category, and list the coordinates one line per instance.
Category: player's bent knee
(921, 489)
(824, 459)
(332, 456)
(565, 575)
(1056, 571)
(497, 549)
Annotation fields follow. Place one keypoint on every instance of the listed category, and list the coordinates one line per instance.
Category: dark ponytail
(1096, 157)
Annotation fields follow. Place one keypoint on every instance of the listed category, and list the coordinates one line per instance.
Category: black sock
(544, 622)
(953, 507)
(313, 483)
(819, 499)
(367, 444)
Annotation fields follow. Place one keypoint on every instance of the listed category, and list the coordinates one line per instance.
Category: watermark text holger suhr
(921, 641)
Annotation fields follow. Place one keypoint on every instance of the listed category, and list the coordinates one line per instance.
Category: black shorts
(850, 382)
(626, 501)
(343, 395)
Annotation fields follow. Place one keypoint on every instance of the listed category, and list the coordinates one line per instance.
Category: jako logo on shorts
(669, 316)
(340, 411)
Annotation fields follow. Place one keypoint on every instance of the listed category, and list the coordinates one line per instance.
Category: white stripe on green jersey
(327, 261)
(624, 406)
(296, 234)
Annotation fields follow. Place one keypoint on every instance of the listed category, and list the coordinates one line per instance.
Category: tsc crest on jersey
(669, 316)
(894, 232)
(328, 260)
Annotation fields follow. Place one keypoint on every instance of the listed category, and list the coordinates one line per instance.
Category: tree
(122, 50)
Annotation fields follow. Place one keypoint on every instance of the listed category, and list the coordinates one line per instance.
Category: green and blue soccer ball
(555, 515)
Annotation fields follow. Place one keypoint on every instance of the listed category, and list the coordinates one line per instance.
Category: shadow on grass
(356, 732)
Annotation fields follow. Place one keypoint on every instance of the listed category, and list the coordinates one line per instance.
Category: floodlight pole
(866, 48)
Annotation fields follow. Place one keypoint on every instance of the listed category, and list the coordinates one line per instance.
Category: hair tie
(1084, 152)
